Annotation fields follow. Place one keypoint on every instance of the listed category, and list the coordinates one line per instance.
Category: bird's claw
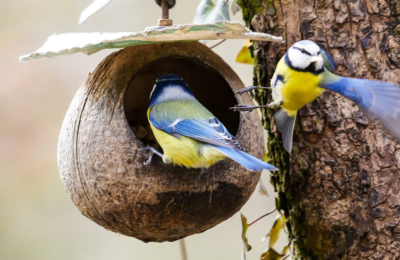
(244, 108)
(250, 89)
(152, 152)
(148, 161)
(247, 89)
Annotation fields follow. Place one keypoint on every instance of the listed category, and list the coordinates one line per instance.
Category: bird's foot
(250, 89)
(275, 104)
(152, 151)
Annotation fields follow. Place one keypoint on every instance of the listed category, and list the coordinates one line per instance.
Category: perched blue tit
(189, 134)
(305, 72)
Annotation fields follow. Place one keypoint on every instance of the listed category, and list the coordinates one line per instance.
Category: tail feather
(246, 160)
(285, 125)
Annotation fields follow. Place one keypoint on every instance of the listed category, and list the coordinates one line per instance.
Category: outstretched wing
(379, 100)
(329, 63)
(207, 131)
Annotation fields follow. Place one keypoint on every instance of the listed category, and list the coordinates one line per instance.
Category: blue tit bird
(188, 133)
(305, 72)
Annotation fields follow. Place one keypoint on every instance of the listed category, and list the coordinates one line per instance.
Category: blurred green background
(37, 218)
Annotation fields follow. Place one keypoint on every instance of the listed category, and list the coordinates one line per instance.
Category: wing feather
(379, 100)
(207, 131)
(329, 63)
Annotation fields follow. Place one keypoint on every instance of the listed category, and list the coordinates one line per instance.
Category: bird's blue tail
(285, 125)
(246, 160)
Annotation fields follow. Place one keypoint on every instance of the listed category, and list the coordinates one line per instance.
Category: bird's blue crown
(169, 87)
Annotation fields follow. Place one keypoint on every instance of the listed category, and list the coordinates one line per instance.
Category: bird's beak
(315, 58)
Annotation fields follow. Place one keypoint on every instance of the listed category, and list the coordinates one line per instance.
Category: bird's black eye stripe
(303, 51)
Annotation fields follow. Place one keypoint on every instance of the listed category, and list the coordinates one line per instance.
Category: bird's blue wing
(329, 63)
(207, 131)
(378, 100)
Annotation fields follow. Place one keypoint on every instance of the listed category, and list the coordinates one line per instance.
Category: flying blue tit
(305, 72)
(189, 134)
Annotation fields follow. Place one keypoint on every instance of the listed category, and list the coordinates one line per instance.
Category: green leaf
(207, 12)
(273, 234)
(245, 226)
(271, 254)
(262, 189)
(244, 55)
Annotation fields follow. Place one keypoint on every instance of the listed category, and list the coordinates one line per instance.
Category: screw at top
(164, 9)
(164, 21)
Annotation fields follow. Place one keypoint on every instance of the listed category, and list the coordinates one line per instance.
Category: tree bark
(339, 188)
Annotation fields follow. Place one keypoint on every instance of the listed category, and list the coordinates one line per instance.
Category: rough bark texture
(340, 186)
(101, 163)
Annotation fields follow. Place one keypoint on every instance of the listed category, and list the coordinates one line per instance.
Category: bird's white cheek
(298, 59)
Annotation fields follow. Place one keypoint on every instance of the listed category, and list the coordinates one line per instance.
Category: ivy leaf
(273, 234)
(234, 7)
(277, 204)
(262, 189)
(93, 8)
(285, 249)
(271, 254)
(265, 156)
(207, 12)
(244, 55)
(245, 226)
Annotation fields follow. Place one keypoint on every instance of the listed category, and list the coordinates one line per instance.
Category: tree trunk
(339, 187)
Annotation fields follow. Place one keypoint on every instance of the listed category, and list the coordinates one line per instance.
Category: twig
(286, 256)
(269, 213)
(183, 249)
(218, 43)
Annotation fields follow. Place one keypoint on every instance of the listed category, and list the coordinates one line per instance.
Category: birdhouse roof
(89, 43)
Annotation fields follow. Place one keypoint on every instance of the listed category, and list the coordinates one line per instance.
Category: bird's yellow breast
(185, 151)
(298, 89)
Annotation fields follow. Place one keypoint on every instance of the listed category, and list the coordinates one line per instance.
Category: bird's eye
(303, 50)
(318, 53)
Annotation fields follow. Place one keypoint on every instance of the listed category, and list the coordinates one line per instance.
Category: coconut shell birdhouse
(101, 150)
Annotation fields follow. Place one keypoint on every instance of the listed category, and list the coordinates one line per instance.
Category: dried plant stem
(218, 43)
(269, 213)
(183, 249)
